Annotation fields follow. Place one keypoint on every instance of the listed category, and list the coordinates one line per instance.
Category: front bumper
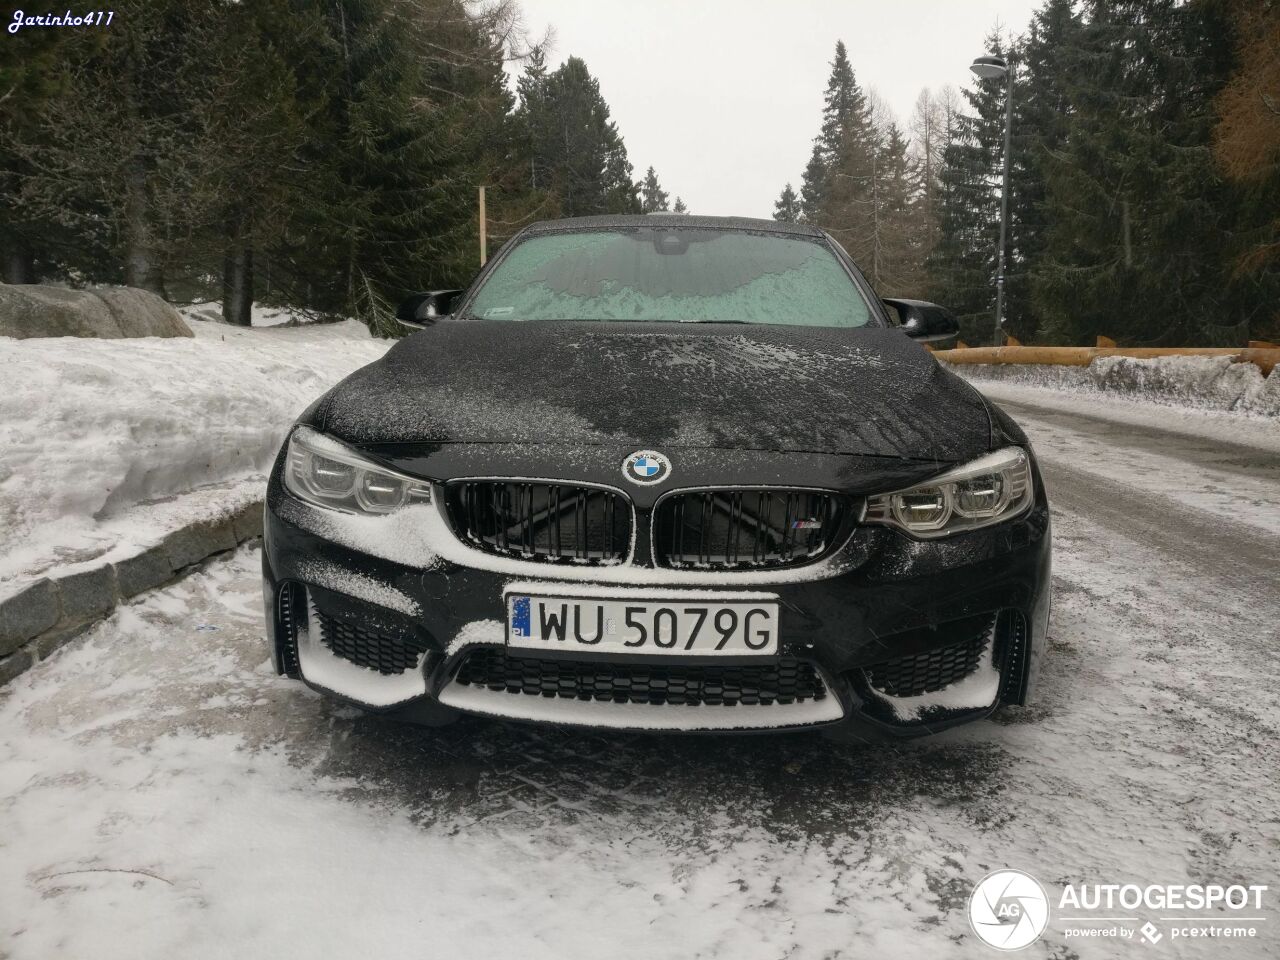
(882, 600)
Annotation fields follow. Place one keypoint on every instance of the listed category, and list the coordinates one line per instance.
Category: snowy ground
(163, 794)
(107, 441)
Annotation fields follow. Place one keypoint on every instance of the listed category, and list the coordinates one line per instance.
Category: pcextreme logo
(1009, 910)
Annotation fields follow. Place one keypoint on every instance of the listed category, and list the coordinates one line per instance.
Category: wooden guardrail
(1266, 357)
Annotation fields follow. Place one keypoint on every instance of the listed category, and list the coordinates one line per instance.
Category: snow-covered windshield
(672, 275)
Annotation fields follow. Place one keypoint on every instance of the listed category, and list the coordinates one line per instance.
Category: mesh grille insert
(745, 529)
(785, 681)
(928, 672)
(551, 522)
(366, 648)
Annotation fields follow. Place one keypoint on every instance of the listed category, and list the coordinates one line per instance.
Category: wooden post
(484, 253)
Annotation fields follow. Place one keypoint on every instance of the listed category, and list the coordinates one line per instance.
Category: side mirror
(925, 321)
(423, 308)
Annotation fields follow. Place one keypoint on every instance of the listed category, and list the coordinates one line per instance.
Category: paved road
(163, 794)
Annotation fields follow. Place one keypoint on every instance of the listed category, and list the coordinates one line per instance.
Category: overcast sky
(724, 97)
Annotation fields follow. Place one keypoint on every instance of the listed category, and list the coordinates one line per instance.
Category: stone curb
(44, 615)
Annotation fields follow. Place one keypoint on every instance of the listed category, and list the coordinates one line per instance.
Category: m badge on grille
(646, 467)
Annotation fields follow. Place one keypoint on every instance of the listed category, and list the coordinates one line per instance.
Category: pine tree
(531, 117)
(679, 207)
(787, 207)
(119, 158)
(847, 151)
(898, 239)
(579, 149)
(846, 123)
(845, 107)
(813, 186)
(653, 199)
(1139, 225)
(1041, 110)
(258, 122)
(29, 81)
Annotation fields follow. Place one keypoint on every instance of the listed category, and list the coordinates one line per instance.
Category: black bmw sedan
(662, 473)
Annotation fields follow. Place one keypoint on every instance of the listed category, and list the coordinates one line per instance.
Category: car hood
(867, 391)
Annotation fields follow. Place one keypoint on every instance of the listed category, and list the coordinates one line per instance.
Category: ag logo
(646, 467)
(1008, 909)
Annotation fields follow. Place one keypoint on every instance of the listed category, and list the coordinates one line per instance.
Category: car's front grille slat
(715, 529)
(784, 681)
(546, 522)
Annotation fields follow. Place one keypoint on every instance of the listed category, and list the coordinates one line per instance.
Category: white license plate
(673, 626)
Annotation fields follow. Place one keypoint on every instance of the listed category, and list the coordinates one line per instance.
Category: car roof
(613, 221)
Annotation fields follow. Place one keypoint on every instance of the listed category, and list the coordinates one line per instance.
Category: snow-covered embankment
(126, 459)
(1212, 383)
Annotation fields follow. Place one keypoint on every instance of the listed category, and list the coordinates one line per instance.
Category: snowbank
(259, 316)
(1214, 383)
(91, 429)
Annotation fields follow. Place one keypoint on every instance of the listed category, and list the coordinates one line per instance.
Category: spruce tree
(787, 207)
(898, 235)
(531, 121)
(31, 79)
(679, 207)
(813, 186)
(583, 157)
(1041, 111)
(846, 128)
(653, 199)
(1139, 224)
(847, 148)
(961, 268)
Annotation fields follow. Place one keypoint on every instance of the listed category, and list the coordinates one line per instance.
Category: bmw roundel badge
(646, 467)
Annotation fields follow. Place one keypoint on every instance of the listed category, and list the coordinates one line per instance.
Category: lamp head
(990, 68)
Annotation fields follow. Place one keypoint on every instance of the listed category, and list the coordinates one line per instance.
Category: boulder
(37, 310)
(142, 314)
(31, 310)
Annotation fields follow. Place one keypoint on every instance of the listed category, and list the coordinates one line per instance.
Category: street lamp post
(991, 68)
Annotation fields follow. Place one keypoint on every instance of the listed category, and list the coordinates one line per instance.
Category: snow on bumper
(639, 716)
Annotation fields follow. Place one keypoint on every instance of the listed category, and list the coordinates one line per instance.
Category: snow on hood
(867, 391)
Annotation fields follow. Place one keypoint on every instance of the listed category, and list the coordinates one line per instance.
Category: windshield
(672, 275)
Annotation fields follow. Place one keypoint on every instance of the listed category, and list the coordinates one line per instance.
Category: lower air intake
(785, 681)
(364, 647)
(930, 671)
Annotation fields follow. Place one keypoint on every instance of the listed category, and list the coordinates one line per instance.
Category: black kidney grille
(783, 681)
(366, 648)
(928, 672)
(552, 522)
(736, 529)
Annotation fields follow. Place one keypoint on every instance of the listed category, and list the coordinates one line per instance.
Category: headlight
(989, 490)
(324, 472)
